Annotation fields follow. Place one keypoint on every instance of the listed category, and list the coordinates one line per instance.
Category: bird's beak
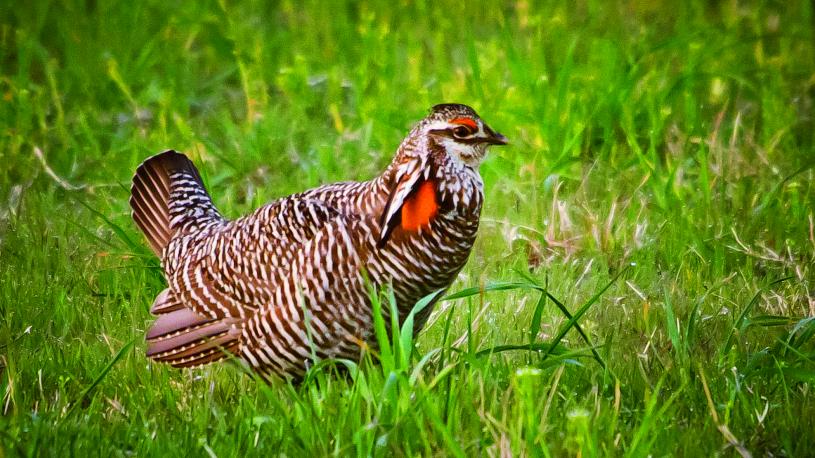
(497, 139)
(493, 137)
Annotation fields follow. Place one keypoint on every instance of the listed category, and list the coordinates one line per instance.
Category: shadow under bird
(290, 281)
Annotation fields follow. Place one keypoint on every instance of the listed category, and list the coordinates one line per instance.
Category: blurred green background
(677, 136)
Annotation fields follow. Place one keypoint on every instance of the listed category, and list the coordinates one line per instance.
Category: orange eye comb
(469, 122)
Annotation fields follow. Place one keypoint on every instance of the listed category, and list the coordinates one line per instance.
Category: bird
(290, 283)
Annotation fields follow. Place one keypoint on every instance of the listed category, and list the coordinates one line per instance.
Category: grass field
(659, 187)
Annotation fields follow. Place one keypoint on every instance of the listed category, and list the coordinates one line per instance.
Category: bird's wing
(220, 276)
(231, 270)
(345, 196)
(320, 307)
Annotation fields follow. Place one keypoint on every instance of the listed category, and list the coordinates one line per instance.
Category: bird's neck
(455, 181)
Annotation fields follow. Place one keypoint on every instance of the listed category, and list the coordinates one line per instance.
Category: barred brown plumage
(287, 283)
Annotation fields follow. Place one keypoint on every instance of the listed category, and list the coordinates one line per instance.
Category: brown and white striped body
(289, 282)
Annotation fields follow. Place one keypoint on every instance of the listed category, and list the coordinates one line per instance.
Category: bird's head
(460, 132)
(450, 140)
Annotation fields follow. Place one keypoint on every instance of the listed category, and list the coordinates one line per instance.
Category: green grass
(662, 150)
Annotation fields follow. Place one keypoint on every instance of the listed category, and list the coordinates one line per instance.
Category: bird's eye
(461, 132)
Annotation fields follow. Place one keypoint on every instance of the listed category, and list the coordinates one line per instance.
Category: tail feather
(221, 348)
(152, 196)
(168, 198)
(184, 338)
(165, 302)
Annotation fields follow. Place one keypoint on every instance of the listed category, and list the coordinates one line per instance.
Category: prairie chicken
(289, 282)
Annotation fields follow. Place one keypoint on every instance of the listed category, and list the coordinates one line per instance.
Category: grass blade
(114, 227)
(385, 354)
(534, 347)
(581, 311)
(406, 333)
(738, 325)
(101, 376)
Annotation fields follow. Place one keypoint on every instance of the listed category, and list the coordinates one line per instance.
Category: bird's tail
(167, 197)
(183, 338)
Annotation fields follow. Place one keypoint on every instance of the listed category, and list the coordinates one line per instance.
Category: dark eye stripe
(469, 139)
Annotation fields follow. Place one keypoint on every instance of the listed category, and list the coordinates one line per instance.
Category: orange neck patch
(420, 208)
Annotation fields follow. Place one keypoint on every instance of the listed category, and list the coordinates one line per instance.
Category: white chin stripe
(463, 153)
